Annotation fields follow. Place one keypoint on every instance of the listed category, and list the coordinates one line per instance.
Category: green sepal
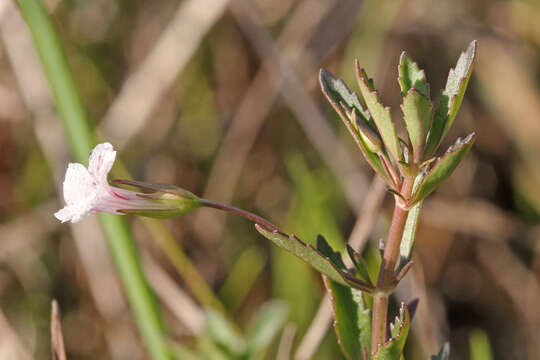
(399, 330)
(411, 76)
(451, 98)
(443, 168)
(154, 188)
(380, 114)
(352, 319)
(164, 201)
(157, 213)
(444, 354)
(322, 263)
(416, 110)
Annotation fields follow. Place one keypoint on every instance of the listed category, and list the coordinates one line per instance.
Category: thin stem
(386, 279)
(240, 212)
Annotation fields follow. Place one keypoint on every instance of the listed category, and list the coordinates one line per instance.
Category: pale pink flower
(87, 190)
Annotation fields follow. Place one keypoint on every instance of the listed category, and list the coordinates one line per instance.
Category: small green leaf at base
(444, 354)
(399, 329)
(359, 264)
(315, 258)
(352, 319)
(451, 98)
(443, 167)
(411, 224)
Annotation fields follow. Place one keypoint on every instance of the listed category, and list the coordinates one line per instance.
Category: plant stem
(386, 280)
(240, 212)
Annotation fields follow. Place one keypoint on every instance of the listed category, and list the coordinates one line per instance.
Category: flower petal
(101, 161)
(73, 213)
(79, 186)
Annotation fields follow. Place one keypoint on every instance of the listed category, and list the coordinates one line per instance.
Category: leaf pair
(424, 133)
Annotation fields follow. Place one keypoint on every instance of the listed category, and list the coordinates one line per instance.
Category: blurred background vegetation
(221, 98)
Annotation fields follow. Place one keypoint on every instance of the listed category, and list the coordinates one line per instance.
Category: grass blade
(82, 140)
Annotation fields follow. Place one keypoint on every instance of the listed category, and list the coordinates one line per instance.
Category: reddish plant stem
(386, 280)
(240, 212)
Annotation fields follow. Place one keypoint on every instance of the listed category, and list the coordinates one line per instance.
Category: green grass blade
(81, 138)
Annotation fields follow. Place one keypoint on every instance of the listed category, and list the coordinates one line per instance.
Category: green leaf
(270, 319)
(337, 92)
(444, 354)
(356, 118)
(352, 319)
(411, 76)
(223, 333)
(411, 224)
(359, 264)
(443, 167)
(417, 115)
(335, 256)
(314, 257)
(380, 114)
(451, 99)
(399, 329)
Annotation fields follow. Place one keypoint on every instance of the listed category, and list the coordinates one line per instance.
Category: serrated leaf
(444, 354)
(352, 319)
(411, 76)
(451, 98)
(380, 114)
(443, 167)
(269, 320)
(411, 224)
(399, 329)
(350, 110)
(416, 110)
(314, 257)
(356, 118)
(337, 92)
(223, 333)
